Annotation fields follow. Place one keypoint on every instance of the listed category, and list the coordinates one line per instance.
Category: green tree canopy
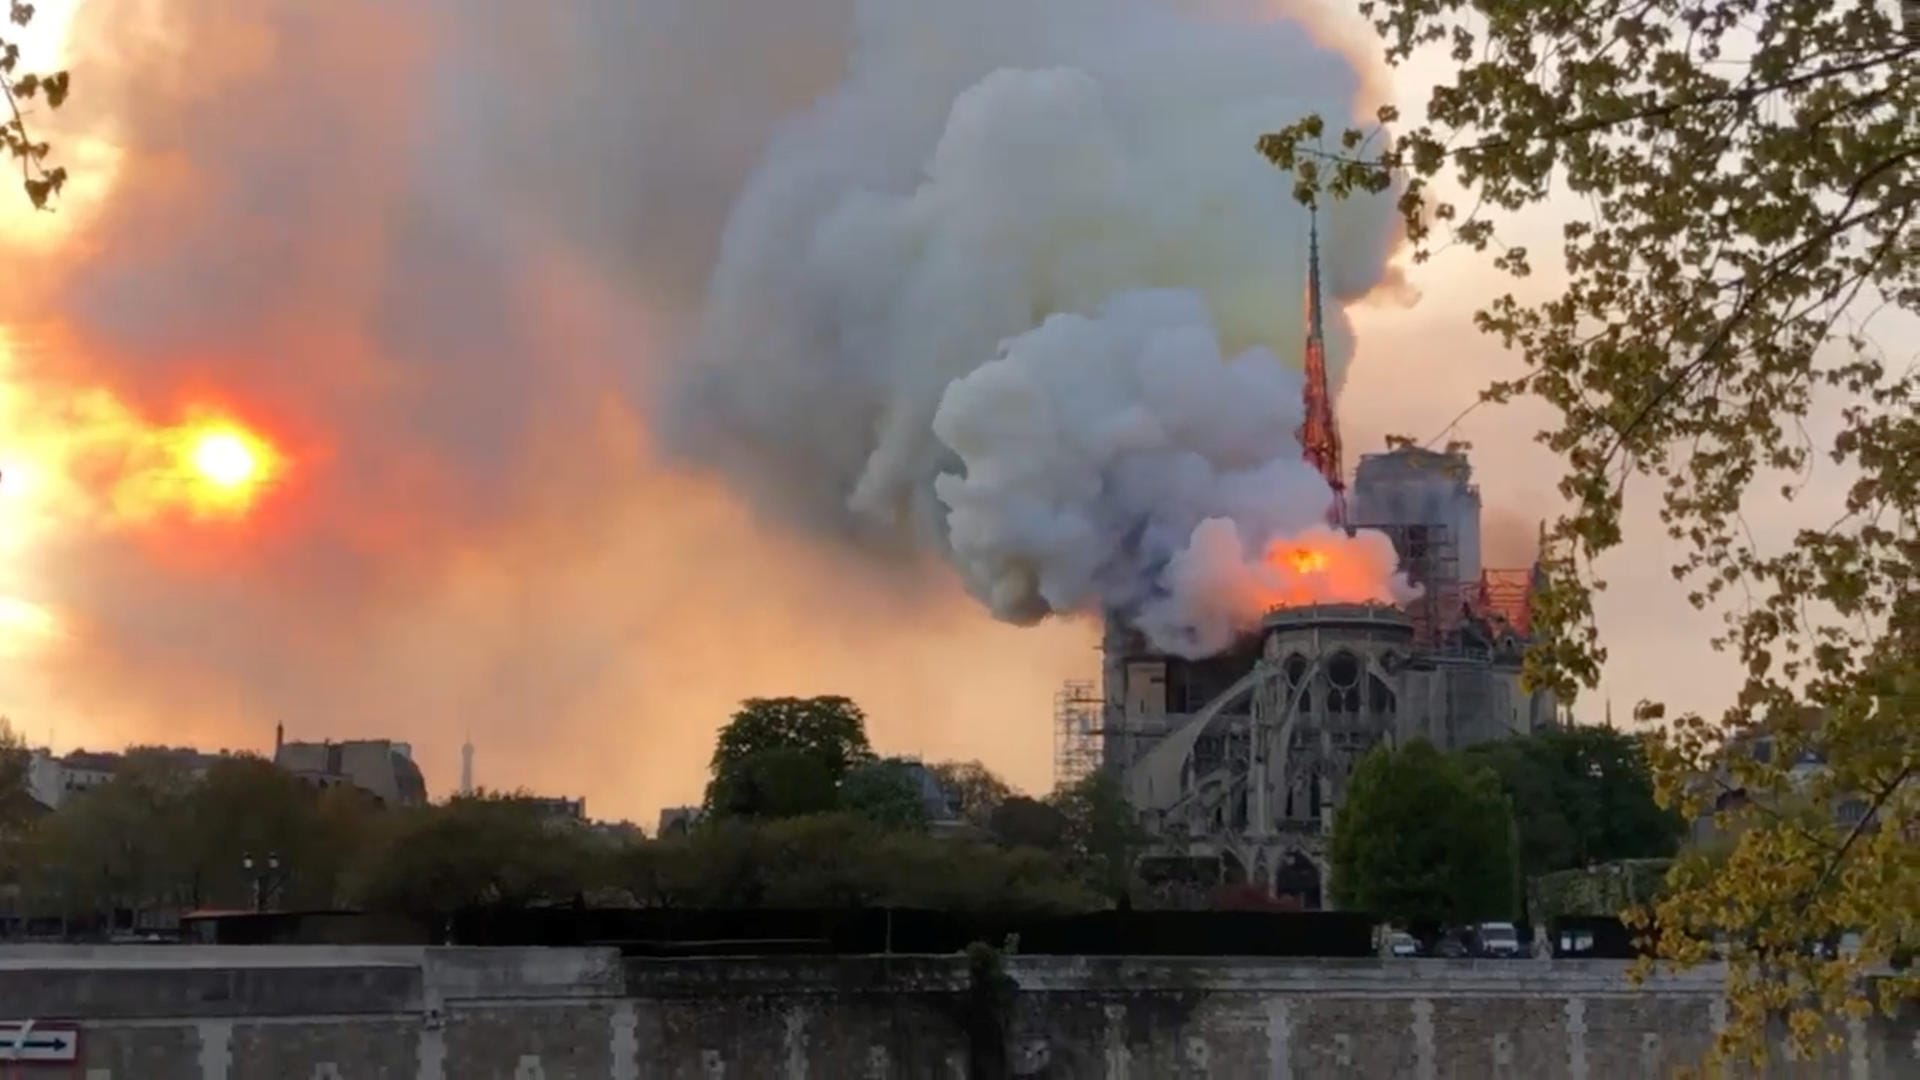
(1580, 796)
(1024, 822)
(483, 850)
(844, 860)
(833, 729)
(1103, 836)
(780, 757)
(16, 799)
(885, 792)
(784, 781)
(1743, 211)
(123, 845)
(245, 805)
(20, 90)
(1422, 838)
(17, 806)
(976, 791)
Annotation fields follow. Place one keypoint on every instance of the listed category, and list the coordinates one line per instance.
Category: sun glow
(92, 461)
(225, 459)
(211, 466)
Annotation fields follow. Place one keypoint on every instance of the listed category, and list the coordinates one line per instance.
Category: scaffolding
(1430, 561)
(1077, 733)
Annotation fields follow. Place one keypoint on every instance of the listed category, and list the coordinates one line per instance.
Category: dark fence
(669, 932)
(303, 928)
(762, 932)
(1597, 937)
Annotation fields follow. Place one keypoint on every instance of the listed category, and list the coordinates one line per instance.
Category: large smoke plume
(1021, 288)
(469, 259)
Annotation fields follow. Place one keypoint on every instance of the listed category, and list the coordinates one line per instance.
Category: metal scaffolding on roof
(1430, 561)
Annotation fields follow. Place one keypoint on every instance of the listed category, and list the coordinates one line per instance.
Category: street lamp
(265, 879)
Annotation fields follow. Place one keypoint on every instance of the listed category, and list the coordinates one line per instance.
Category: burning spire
(1319, 435)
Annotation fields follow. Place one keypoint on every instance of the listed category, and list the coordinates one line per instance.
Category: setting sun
(223, 466)
(225, 459)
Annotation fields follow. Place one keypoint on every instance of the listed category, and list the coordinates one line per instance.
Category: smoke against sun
(462, 367)
(126, 470)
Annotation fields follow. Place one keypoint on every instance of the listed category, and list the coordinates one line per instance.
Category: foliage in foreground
(1744, 206)
(19, 90)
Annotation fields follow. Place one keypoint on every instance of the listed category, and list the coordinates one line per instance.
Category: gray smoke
(1021, 290)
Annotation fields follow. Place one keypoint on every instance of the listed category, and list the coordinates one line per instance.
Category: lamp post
(265, 879)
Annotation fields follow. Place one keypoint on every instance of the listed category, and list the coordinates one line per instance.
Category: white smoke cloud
(1121, 462)
(985, 168)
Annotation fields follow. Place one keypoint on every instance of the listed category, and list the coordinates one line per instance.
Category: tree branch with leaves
(21, 90)
(1738, 182)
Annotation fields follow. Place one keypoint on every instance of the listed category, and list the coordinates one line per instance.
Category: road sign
(30, 1040)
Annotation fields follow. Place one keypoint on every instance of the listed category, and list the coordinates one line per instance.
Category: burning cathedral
(1237, 761)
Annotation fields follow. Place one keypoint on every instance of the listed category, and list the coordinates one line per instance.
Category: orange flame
(1324, 566)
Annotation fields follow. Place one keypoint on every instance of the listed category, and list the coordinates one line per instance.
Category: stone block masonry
(320, 1013)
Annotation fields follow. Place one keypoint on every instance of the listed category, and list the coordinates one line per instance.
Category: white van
(1498, 939)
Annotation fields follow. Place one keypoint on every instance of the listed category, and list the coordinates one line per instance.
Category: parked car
(1450, 948)
(1403, 943)
(1497, 939)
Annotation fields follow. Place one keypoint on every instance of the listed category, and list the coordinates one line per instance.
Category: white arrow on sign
(27, 1040)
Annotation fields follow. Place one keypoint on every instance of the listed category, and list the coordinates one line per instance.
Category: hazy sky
(445, 285)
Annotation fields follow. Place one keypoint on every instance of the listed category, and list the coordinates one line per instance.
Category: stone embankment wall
(274, 1013)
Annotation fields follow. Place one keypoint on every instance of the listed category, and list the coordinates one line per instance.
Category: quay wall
(408, 1013)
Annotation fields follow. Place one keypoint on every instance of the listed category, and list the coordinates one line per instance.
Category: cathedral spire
(1319, 434)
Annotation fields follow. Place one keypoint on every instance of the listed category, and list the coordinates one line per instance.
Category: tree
(17, 811)
(784, 781)
(716, 865)
(118, 848)
(1103, 836)
(1024, 822)
(16, 797)
(975, 790)
(843, 860)
(20, 90)
(775, 754)
(1422, 838)
(478, 851)
(245, 805)
(1746, 209)
(886, 793)
(1580, 796)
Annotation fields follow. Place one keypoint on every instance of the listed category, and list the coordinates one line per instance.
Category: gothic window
(1343, 670)
(1296, 668)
